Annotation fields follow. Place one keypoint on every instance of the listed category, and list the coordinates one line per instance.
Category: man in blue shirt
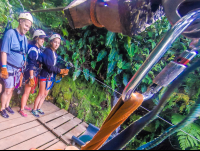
(13, 50)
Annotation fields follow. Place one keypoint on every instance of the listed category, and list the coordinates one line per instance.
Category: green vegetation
(91, 102)
(112, 58)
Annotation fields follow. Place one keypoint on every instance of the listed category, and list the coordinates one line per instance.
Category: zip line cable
(121, 94)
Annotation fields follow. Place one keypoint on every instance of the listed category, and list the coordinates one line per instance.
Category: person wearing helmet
(49, 68)
(33, 67)
(13, 50)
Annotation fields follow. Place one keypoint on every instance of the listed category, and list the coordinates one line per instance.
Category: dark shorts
(27, 74)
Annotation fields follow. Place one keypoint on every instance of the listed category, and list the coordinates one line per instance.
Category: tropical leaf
(112, 54)
(126, 66)
(120, 35)
(90, 51)
(113, 83)
(93, 64)
(75, 56)
(118, 57)
(80, 43)
(76, 74)
(185, 140)
(130, 49)
(111, 67)
(65, 32)
(87, 33)
(120, 63)
(101, 55)
(86, 74)
(67, 45)
(109, 38)
(100, 69)
(92, 77)
(125, 79)
(91, 39)
(119, 71)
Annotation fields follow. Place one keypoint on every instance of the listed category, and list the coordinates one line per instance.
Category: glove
(4, 73)
(64, 71)
(31, 82)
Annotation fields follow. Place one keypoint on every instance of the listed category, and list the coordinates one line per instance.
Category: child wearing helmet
(13, 51)
(33, 67)
(49, 61)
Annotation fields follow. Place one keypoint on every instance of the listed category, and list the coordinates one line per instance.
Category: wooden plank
(84, 124)
(18, 129)
(52, 116)
(47, 108)
(66, 127)
(20, 137)
(58, 146)
(77, 131)
(34, 142)
(59, 121)
(16, 122)
(48, 144)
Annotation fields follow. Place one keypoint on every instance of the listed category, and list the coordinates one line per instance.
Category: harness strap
(20, 42)
(33, 49)
(13, 66)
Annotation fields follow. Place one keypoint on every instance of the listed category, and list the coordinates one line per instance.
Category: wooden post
(129, 17)
(78, 13)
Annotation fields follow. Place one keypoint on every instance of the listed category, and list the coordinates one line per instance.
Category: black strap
(20, 43)
(13, 66)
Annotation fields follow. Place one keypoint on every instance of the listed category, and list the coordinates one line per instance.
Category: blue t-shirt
(10, 41)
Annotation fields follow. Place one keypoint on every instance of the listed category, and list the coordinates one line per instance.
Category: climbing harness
(53, 79)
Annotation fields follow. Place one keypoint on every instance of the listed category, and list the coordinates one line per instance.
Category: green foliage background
(112, 58)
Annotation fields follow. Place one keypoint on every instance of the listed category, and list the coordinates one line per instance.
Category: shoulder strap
(33, 49)
(20, 42)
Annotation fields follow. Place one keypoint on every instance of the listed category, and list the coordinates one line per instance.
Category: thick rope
(93, 14)
(118, 115)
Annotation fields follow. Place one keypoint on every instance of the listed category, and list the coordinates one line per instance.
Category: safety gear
(176, 9)
(64, 71)
(55, 36)
(39, 33)
(27, 16)
(31, 82)
(4, 73)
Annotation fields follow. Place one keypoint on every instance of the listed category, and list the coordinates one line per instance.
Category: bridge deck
(51, 131)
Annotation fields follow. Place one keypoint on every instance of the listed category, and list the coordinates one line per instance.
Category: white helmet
(27, 16)
(39, 33)
(55, 36)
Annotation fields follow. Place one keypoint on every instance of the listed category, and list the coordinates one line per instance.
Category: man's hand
(31, 82)
(4, 73)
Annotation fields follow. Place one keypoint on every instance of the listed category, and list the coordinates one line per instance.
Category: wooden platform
(51, 131)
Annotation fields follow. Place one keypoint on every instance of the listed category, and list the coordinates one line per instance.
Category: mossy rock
(68, 96)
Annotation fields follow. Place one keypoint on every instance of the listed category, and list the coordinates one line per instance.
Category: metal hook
(159, 51)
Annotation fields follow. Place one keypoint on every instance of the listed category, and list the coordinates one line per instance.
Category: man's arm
(4, 58)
